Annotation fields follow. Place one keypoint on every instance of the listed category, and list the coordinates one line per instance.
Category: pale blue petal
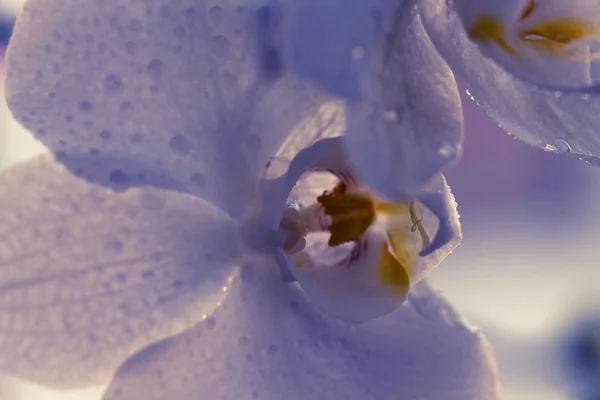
(187, 95)
(408, 127)
(568, 123)
(266, 342)
(88, 277)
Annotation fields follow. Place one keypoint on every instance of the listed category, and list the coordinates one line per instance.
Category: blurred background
(527, 272)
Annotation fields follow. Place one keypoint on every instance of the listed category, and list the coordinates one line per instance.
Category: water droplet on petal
(126, 106)
(113, 245)
(105, 135)
(155, 68)
(358, 53)
(180, 145)
(119, 179)
(562, 146)
(447, 151)
(391, 115)
(113, 83)
(273, 350)
(198, 181)
(179, 32)
(210, 323)
(220, 45)
(121, 277)
(85, 106)
(216, 14)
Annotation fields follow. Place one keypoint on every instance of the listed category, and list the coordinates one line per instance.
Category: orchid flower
(506, 53)
(203, 230)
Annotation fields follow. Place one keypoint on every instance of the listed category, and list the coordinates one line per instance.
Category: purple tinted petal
(409, 126)
(188, 96)
(265, 341)
(87, 277)
(559, 122)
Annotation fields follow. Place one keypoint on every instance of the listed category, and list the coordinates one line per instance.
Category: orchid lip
(340, 210)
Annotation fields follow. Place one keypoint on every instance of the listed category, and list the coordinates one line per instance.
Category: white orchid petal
(420, 239)
(431, 305)
(440, 201)
(331, 42)
(187, 96)
(408, 126)
(87, 276)
(373, 283)
(552, 43)
(266, 341)
(564, 123)
(323, 154)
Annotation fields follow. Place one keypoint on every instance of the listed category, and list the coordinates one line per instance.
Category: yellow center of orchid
(555, 35)
(352, 214)
(552, 35)
(489, 29)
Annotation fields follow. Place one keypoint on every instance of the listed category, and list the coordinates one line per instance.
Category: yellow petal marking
(554, 35)
(392, 273)
(489, 29)
(527, 10)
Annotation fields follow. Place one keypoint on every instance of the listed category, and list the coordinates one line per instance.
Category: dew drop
(273, 350)
(562, 146)
(155, 68)
(105, 135)
(180, 145)
(85, 106)
(216, 14)
(113, 83)
(220, 45)
(121, 277)
(358, 53)
(391, 115)
(179, 32)
(447, 151)
(113, 245)
(198, 181)
(148, 274)
(177, 284)
(136, 138)
(119, 179)
(211, 323)
(126, 106)
(190, 15)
